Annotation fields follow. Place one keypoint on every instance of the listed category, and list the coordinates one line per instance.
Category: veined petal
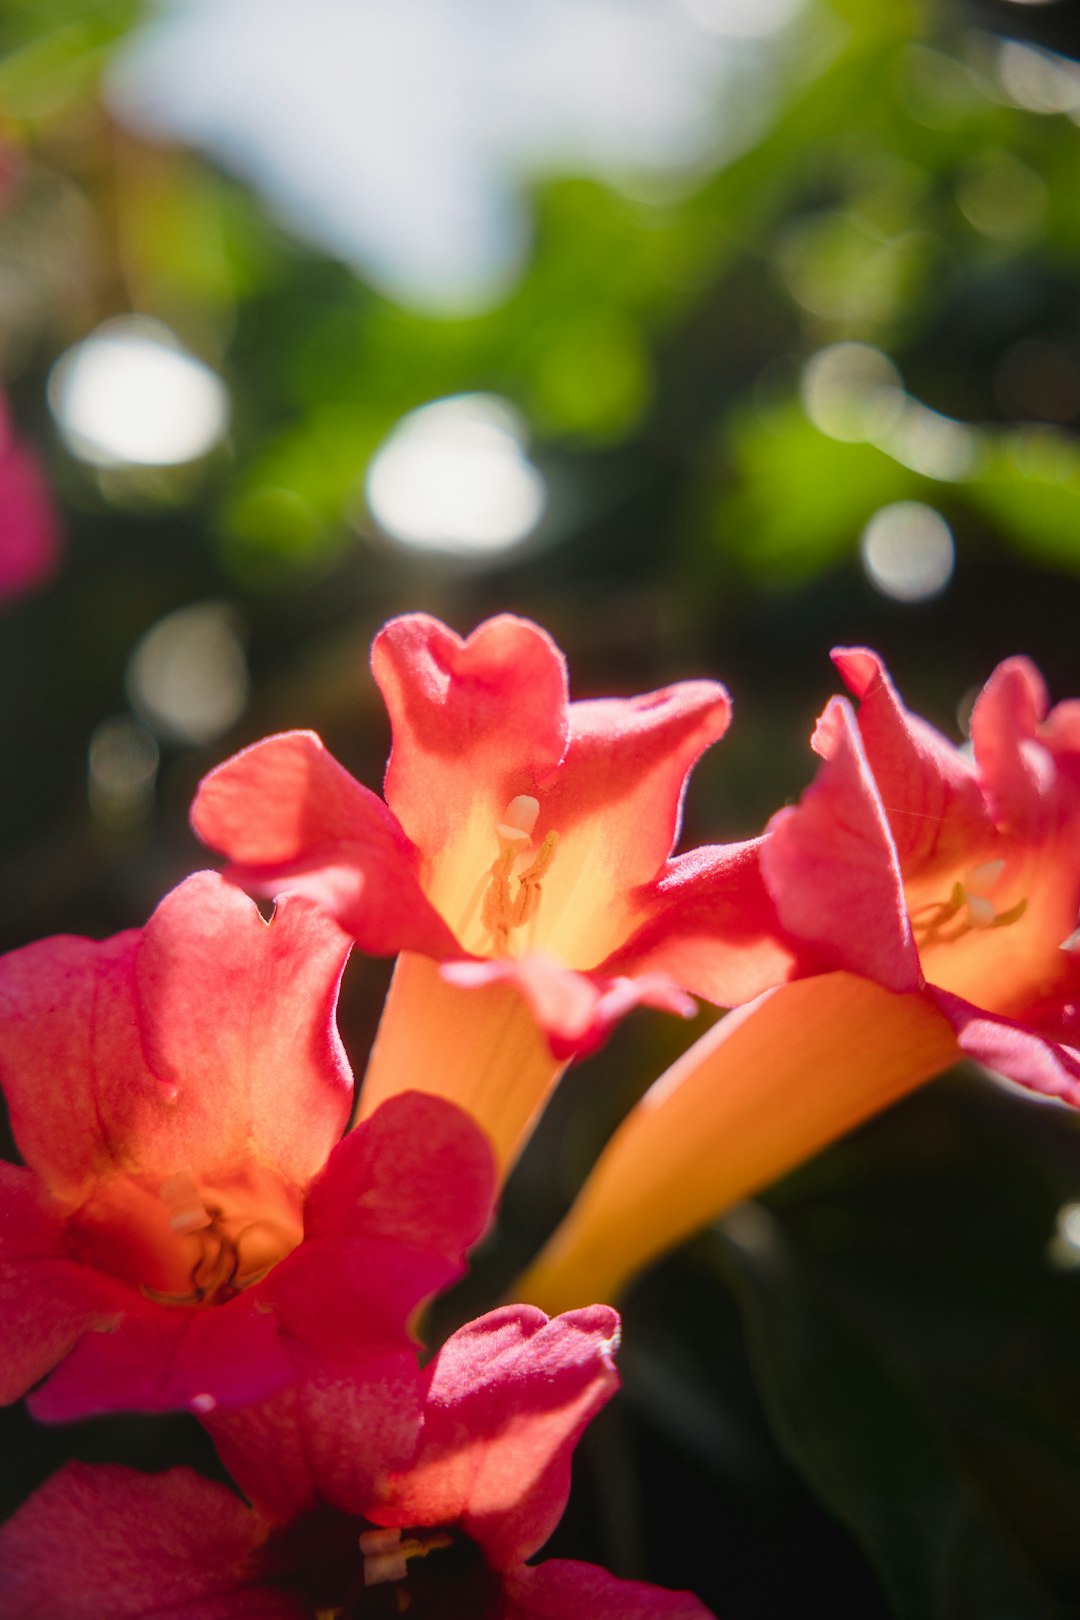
(711, 926)
(334, 1436)
(831, 866)
(563, 1589)
(1013, 1049)
(1015, 767)
(161, 1050)
(929, 791)
(46, 1300)
(387, 1225)
(766, 1087)
(289, 816)
(469, 717)
(133, 1546)
(616, 807)
(576, 1011)
(163, 1358)
(476, 722)
(68, 1037)
(416, 1172)
(237, 1020)
(507, 1398)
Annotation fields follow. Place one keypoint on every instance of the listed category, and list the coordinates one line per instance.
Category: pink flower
(187, 1229)
(524, 845)
(952, 877)
(29, 527)
(930, 898)
(423, 1496)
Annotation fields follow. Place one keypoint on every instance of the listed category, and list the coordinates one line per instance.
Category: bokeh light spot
(908, 552)
(1002, 197)
(454, 477)
(130, 394)
(122, 762)
(1037, 79)
(851, 392)
(188, 676)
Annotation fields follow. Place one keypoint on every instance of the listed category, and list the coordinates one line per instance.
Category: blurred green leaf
(852, 1420)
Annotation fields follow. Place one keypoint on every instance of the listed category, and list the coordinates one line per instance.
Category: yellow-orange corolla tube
(481, 1049)
(763, 1090)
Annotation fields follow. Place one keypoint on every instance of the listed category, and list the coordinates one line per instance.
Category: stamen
(386, 1556)
(519, 818)
(528, 899)
(503, 910)
(187, 1212)
(929, 922)
(982, 911)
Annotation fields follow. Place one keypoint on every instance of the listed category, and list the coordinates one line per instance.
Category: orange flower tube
(762, 1091)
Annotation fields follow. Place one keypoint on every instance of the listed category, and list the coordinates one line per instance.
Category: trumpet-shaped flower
(187, 1229)
(422, 1496)
(522, 855)
(936, 894)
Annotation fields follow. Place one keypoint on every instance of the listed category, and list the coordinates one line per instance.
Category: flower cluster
(199, 1224)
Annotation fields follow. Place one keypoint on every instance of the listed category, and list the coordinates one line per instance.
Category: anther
(386, 1555)
(518, 819)
(187, 1212)
(503, 907)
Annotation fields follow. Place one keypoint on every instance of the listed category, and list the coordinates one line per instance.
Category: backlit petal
(111, 1541)
(507, 1398)
(929, 791)
(761, 1091)
(289, 816)
(831, 866)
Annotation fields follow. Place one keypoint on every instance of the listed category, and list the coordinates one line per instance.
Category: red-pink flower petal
(576, 1010)
(158, 1358)
(562, 1589)
(479, 718)
(1015, 767)
(68, 1036)
(387, 1224)
(622, 785)
(222, 996)
(831, 865)
(334, 1437)
(111, 1541)
(289, 816)
(507, 1398)
(161, 1049)
(47, 1300)
(929, 791)
(711, 927)
(417, 1172)
(1013, 1049)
